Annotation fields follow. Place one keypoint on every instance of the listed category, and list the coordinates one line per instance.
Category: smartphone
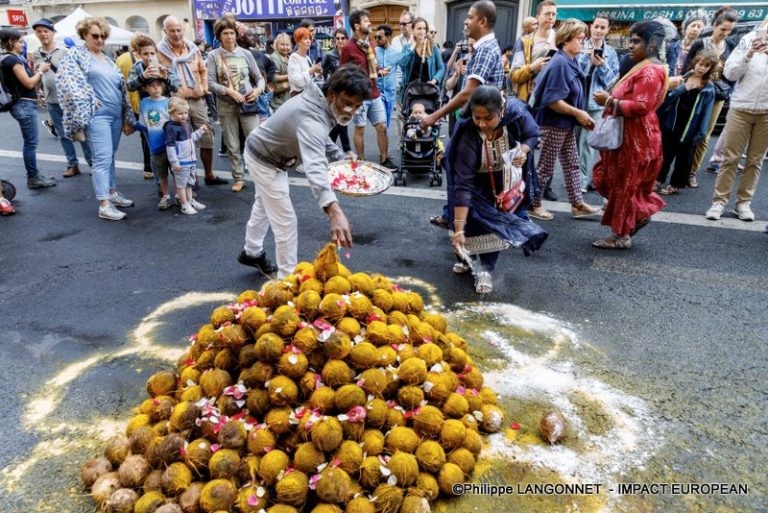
(551, 53)
(153, 62)
(598, 52)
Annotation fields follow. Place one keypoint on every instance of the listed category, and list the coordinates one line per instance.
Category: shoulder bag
(608, 134)
(245, 108)
(511, 195)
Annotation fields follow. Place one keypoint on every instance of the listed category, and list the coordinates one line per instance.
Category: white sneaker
(196, 204)
(715, 211)
(743, 211)
(188, 209)
(165, 203)
(119, 200)
(111, 213)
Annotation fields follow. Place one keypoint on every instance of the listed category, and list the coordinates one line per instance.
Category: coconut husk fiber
(325, 391)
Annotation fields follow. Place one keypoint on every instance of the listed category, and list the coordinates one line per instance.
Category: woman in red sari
(626, 176)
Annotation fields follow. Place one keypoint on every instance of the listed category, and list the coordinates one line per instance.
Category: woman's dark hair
(341, 31)
(652, 33)
(222, 24)
(725, 13)
(350, 79)
(485, 96)
(8, 36)
(707, 57)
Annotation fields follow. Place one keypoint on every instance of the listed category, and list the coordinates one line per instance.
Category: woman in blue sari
(490, 128)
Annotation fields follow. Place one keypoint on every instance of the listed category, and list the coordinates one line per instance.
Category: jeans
(103, 137)
(587, 154)
(54, 110)
(25, 112)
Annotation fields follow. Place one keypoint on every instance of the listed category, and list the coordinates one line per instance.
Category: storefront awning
(675, 10)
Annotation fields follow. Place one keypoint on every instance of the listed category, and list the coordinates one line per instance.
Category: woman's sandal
(642, 223)
(669, 190)
(439, 221)
(614, 242)
(461, 268)
(483, 283)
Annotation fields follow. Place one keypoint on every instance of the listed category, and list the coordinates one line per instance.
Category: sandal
(439, 221)
(656, 186)
(461, 268)
(669, 190)
(541, 213)
(614, 242)
(483, 283)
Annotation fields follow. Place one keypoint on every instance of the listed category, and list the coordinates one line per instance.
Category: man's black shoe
(549, 195)
(591, 187)
(215, 181)
(388, 164)
(260, 262)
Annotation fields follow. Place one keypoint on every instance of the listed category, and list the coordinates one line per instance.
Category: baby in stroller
(420, 151)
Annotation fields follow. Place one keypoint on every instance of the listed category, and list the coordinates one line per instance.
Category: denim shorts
(372, 110)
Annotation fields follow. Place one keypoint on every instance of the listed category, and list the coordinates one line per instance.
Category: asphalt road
(657, 356)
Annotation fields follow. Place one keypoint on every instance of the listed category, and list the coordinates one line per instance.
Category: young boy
(182, 156)
(148, 68)
(153, 115)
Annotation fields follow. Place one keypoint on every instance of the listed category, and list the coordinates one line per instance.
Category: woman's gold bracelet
(456, 234)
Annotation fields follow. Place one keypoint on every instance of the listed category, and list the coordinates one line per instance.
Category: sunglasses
(380, 37)
(404, 24)
(433, 31)
(98, 36)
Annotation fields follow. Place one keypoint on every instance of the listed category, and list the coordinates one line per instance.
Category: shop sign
(641, 13)
(264, 9)
(17, 17)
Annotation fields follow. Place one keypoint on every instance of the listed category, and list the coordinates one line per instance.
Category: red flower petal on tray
(514, 425)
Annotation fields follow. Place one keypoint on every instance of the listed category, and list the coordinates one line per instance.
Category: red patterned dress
(626, 176)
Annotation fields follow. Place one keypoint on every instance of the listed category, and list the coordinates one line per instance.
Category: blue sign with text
(264, 9)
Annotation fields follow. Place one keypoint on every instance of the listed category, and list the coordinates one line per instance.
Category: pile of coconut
(326, 392)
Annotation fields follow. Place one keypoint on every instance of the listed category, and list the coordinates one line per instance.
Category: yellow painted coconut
(214, 381)
(472, 378)
(269, 347)
(333, 486)
(272, 463)
(192, 394)
(282, 391)
(176, 478)
(263, 330)
(473, 442)
(247, 295)
(398, 317)
(221, 315)
(362, 283)
(311, 284)
(292, 488)
(326, 263)
(376, 413)
(353, 430)
(324, 399)
(218, 495)
(430, 353)
(136, 422)
(162, 383)
(307, 458)
(428, 421)
(431, 456)
(189, 375)
(349, 396)
(285, 321)
(452, 434)
(415, 302)
(426, 484)
(455, 406)
(373, 381)
(183, 416)
(252, 498)
(388, 498)
(378, 334)
(402, 439)
(277, 293)
(261, 440)
(395, 418)
(470, 422)
(206, 359)
(474, 400)
(382, 299)
(292, 364)
(372, 442)
(400, 301)
(304, 268)
(464, 459)
(232, 337)
(308, 304)
(359, 306)
(404, 467)
(370, 472)
(206, 336)
(349, 456)
(117, 449)
(197, 455)
(336, 373)
(387, 356)
(149, 502)
(249, 468)
(338, 346)
(410, 397)
(308, 382)
(350, 326)
(491, 419)
(233, 435)
(279, 420)
(360, 505)
(257, 401)
(224, 464)
(438, 386)
(450, 475)
(412, 371)
(327, 434)
(337, 285)
(333, 307)
(437, 321)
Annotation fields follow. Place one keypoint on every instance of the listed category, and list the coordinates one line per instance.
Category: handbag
(608, 134)
(511, 195)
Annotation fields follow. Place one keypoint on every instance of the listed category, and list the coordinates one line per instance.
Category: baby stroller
(419, 150)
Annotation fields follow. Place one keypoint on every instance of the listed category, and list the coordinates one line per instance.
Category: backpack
(8, 96)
